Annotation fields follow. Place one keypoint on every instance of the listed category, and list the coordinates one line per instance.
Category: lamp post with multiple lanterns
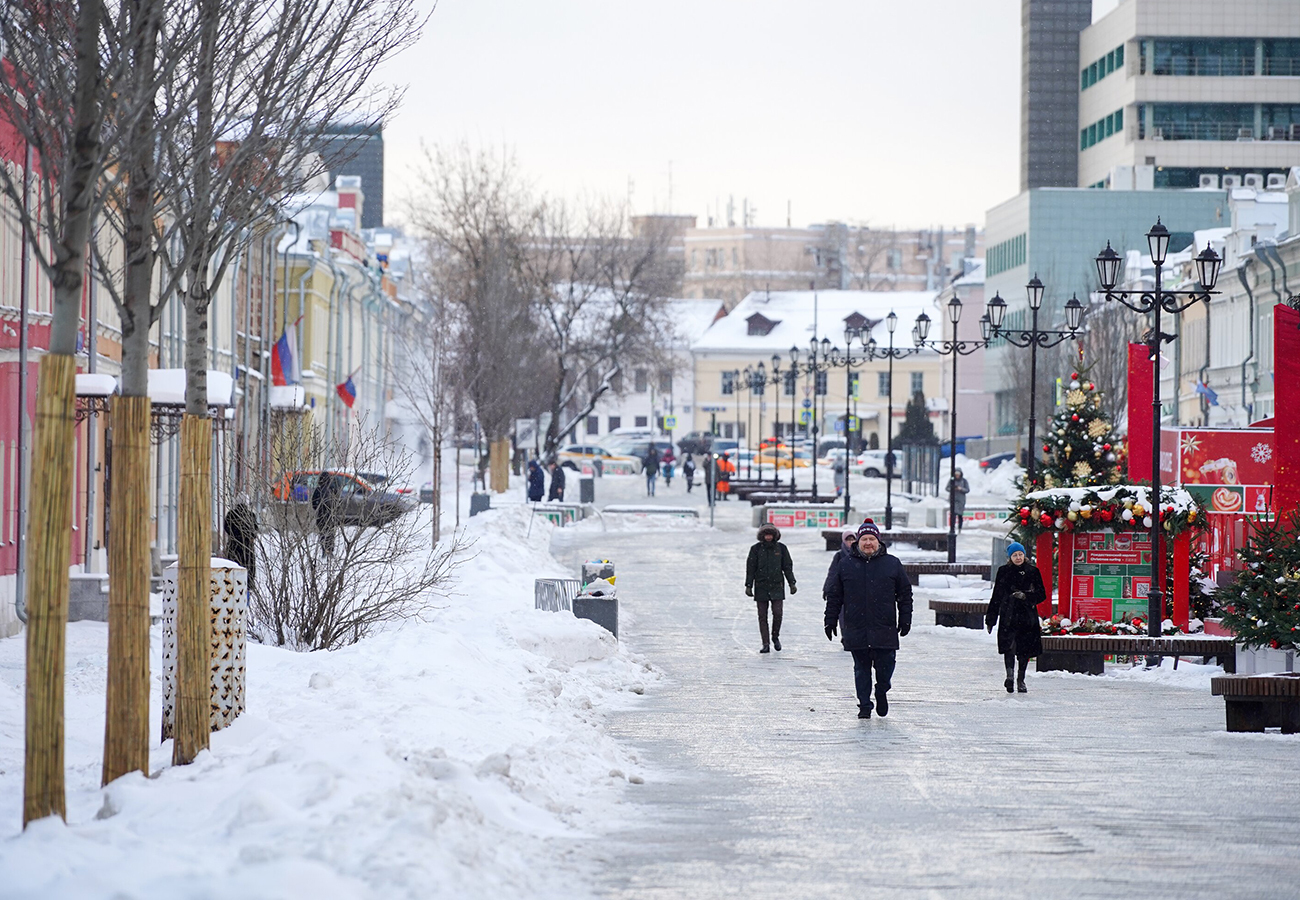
(1154, 302)
(817, 363)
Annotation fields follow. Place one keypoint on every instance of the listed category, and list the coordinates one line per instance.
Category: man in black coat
(557, 482)
(872, 590)
(241, 536)
(767, 570)
(325, 501)
(536, 482)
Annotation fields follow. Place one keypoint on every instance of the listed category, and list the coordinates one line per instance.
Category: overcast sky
(884, 113)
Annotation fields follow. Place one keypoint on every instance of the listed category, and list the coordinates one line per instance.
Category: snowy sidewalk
(762, 783)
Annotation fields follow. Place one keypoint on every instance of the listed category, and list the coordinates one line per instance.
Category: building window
(728, 383)
(882, 384)
(1007, 255)
(642, 381)
(918, 383)
(615, 422)
(593, 424)
(821, 382)
(1096, 71)
(1213, 57)
(894, 258)
(665, 382)
(728, 431)
(616, 383)
(790, 382)
(1203, 121)
(1101, 129)
(854, 381)
(642, 421)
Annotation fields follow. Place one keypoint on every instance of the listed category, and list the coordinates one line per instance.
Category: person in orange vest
(726, 468)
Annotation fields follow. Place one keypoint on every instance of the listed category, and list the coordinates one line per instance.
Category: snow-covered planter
(1137, 625)
(227, 595)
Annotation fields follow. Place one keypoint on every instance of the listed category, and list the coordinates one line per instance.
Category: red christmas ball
(1075, 417)
(1047, 448)
(1105, 446)
(1074, 375)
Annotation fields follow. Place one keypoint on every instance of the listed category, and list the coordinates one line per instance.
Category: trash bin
(586, 489)
(479, 502)
(599, 603)
(228, 596)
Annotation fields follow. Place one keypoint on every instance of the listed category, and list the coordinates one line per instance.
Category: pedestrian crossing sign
(805, 417)
(853, 423)
(670, 422)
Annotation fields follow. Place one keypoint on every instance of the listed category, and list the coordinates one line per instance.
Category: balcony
(1220, 66)
(1216, 131)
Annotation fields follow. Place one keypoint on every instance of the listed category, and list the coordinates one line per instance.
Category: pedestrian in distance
(240, 526)
(841, 473)
(767, 570)
(960, 487)
(688, 470)
(325, 503)
(1017, 591)
(536, 482)
(650, 466)
(668, 463)
(557, 482)
(872, 590)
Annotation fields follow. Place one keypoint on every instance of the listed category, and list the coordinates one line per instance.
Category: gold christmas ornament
(1082, 469)
(1098, 428)
(1075, 398)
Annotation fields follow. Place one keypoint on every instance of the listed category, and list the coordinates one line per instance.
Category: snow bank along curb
(461, 755)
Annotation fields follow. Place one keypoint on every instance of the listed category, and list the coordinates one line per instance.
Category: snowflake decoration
(1075, 398)
(1191, 444)
(1082, 469)
(1098, 427)
(1261, 453)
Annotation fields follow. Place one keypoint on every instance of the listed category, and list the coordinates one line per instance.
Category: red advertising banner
(1229, 470)
(1141, 384)
(1286, 400)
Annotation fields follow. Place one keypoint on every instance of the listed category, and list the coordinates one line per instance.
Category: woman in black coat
(536, 482)
(1016, 593)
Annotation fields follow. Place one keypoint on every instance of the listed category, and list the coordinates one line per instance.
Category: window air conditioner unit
(1210, 181)
(1295, 131)
(1254, 181)
(1231, 181)
(1275, 181)
(1157, 134)
(1245, 134)
(1277, 132)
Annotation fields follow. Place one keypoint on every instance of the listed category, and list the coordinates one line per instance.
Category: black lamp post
(794, 379)
(1033, 339)
(850, 362)
(954, 348)
(1154, 301)
(891, 353)
(818, 362)
(748, 377)
(778, 378)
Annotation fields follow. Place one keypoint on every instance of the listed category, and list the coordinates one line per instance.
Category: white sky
(886, 113)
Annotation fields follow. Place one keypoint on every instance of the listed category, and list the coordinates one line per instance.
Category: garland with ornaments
(1136, 626)
(1119, 508)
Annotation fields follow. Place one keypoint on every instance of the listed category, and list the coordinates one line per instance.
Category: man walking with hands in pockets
(871, 588)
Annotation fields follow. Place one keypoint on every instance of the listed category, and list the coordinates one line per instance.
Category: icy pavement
(762, 783)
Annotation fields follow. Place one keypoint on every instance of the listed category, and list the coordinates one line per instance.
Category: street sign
(853, 423)
(805, 417)
(670, 422)
(713, 409)
(807, 404)
(839, 424)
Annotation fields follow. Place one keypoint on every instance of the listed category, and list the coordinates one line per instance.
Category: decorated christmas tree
(1080, 448)
(917, 427)
(1265, 604)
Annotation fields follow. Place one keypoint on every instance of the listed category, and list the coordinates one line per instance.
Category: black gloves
(793, 589)
(990, 627)
(904, 627)
(831, 631)
(749, 590)
(1017, 595)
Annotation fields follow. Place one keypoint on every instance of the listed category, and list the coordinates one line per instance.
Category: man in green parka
(768, 569)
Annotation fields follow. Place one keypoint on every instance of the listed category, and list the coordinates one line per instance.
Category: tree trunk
(193, 693)
(499, 464)
(126, 728)
(49, 548)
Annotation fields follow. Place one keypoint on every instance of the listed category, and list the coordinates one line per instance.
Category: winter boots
(1009, 684)
(1016, 674)
(882, 704)
(766, 649)
(776, 643)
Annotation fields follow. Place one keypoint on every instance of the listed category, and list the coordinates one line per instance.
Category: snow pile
(459, 756)
(1189, 675)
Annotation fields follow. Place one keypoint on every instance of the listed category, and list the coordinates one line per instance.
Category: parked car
(873, 463)
(783, 459)
(361, 503)
(824, 447)
(697, 442)
(722, 445)
(989, 463)
(574, 455)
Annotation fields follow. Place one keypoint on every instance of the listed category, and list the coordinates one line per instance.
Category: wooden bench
(916, 570)
(960, 613)
(681, 512)
(1257, 702)
(925, 540)
(1086, 653)
(761, 498)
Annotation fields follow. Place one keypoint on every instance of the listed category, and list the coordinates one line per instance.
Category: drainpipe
(335, 289)
(1205, 369)
(24, 465)
(1271, 250)
(345, 295)
(1249, 407)
(302, 309)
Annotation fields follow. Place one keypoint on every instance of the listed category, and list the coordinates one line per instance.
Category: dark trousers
(777, 608)
(1010, 659)
(863, 661)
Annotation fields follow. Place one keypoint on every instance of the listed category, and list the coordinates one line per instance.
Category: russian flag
(347, 391)
(284, 356)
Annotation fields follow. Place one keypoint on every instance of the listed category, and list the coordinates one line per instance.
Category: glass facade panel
(1200, 57)
(1202, 121)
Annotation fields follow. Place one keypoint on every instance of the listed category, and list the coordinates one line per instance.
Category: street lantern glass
(1208, 264)
(849, 334)
(776, 361)
(891, 321)
(1034, 291)
(871, 348)
(826, 346)
(997, 308)
(812, 349)
(1108, 267)
(1073, 313)
(762, 369)
(1158, 242)
(954, 311)
(986, 327)
(922, 327)
(794, 355)
(916, 334)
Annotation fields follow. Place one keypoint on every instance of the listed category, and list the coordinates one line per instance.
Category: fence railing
(555, 594)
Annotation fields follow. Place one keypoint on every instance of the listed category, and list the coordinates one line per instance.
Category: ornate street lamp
(1153, 302)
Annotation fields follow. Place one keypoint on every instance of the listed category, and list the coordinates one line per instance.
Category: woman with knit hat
(1013, 608)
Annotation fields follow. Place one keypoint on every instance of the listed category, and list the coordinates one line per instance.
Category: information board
(1110, 575)
(795, 517)
(1231, 471)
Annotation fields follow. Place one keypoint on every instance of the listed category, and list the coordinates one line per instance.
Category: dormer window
(760, 325)
(856, 321)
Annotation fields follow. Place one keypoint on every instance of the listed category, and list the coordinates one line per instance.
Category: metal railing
(555, 594)
(1220, 66)
(1196, 131)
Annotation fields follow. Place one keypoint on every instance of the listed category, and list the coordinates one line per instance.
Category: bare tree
(379, 567)
(868, 258)
(600, 294)
(60, 63)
